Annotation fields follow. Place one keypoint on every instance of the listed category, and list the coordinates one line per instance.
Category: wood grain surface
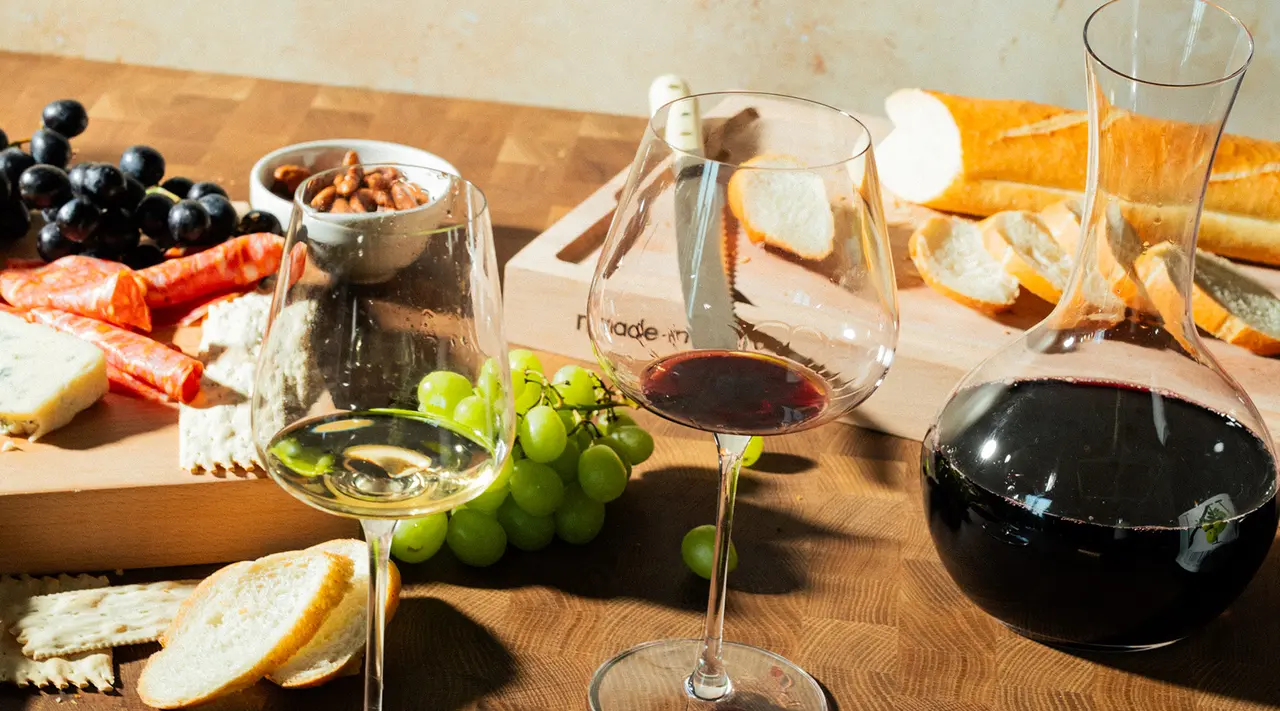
(837, 573)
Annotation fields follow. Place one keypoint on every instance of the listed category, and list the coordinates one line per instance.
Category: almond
(402, 196)
(349, 181)
(382, 198)
(290, 176)
(419, 194)
(324, 199)
(362, 201)
(376, 181)
(351, 158)
(340, 204)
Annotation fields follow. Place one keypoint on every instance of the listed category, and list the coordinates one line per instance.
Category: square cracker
(90, 669)
(214, 431)
(85, 620)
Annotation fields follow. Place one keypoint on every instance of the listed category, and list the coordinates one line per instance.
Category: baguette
(241, 623)
(982, 156)
(950, 255)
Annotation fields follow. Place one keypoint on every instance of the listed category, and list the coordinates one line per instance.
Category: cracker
(86, 670)
(214, 432)
(86, 620)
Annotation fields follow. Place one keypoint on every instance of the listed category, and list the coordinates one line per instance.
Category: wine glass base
(654, 676)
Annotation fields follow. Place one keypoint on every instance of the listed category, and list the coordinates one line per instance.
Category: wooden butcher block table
(837, 570)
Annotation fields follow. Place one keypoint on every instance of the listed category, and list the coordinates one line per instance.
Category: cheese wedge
(46, 377)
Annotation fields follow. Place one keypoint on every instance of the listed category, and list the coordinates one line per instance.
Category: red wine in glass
(734, 392)
(1094, 515)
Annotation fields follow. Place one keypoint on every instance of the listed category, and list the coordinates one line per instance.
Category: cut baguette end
(786, 208)
(921, 158)
(950, 255)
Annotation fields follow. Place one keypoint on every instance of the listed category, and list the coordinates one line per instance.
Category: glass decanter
(1102, 483)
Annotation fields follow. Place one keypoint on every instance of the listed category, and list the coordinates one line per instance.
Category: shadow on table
(637, 555)
(437, 659)
(1235, 656)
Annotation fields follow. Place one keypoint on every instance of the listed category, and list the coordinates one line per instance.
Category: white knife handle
(684, 125)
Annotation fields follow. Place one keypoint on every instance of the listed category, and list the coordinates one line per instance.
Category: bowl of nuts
(277, 175)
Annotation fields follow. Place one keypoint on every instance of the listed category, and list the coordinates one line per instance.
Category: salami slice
(124, 384)
(173, 373)
(96, 288)
(238, 262)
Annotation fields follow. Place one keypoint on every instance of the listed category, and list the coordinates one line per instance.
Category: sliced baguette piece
(241, 623)
(1063, 219)
(340, 640)
(1225, 301)
(1027, 250)
(785, 208)
(950, 255)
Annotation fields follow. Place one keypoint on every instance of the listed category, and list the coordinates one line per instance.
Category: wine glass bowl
(380, 324)
(833, 312)
(745, 288)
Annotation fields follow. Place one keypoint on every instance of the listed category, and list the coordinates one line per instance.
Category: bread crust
(345, 667)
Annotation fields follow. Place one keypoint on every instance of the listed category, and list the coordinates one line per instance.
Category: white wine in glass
(381, 322)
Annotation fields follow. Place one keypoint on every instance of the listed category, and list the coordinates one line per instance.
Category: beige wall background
(600, 54)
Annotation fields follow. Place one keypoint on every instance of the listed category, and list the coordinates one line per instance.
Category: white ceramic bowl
(323, 155)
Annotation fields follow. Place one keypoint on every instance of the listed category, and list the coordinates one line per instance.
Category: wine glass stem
(378, 533)
(709, 679)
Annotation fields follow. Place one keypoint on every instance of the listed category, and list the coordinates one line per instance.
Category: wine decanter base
(653, 676)
(1082, 647)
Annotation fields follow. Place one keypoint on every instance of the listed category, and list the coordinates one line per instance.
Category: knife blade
(699, 207)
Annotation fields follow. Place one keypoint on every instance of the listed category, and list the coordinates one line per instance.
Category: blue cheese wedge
(46, 377)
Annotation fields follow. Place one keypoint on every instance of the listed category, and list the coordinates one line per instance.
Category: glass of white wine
(383, 322)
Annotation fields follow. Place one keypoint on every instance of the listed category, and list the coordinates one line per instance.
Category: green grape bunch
(575, 450)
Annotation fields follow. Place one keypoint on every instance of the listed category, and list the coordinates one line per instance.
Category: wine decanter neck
(1151, 150)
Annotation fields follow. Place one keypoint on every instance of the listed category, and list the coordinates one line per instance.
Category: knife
(699, 209)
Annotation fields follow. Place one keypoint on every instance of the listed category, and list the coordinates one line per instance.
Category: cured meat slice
(173, 373)
(102, 290)
(238, 262)
(124, 384)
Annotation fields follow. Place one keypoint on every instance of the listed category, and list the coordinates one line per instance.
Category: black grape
(14, 220)
(256, 221)
(199, 190)
(44, 186)
(51, 244)
(51, 148)
(188, 221)
(117, 233)
(222, 218)
(13, 162)
(144, 163)
(178, 185)
(66, 116)
(152, 217)
(104, 184)
(77, 219)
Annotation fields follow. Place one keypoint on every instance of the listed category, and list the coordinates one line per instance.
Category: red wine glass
(745, 288)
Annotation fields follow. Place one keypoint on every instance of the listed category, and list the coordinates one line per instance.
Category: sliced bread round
(950, 255)
(339, 642)
(1225, 301)
(1028, 251)
(785, 207)
(240, 624)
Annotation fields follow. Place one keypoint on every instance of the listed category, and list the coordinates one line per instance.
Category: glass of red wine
(745, 288)
(1101, 483)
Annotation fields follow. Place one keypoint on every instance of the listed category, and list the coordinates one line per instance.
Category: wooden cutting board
(105, 492)
(546, 287)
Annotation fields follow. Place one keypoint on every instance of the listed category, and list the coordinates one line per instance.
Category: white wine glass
(750, 244)
(381, 323)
